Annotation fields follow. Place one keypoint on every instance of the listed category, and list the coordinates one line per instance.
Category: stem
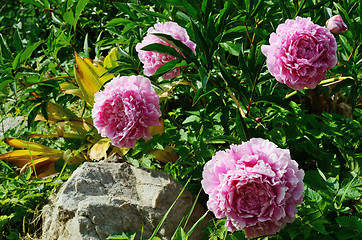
(354, 49)
(236, 102)
(247, 32)
(242, 114)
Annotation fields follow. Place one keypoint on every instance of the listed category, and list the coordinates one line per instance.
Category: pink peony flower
(336, 25)
(300, 53)
(255, 185)
(153, 60)
(125, 109)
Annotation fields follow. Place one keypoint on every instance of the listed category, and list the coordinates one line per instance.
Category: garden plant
(253, 105)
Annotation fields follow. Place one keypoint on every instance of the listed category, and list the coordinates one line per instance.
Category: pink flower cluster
(153, 60)
(125, 109)
(255, 185)
(300, 53)
(336, 25)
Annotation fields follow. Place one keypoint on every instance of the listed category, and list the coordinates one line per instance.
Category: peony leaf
(160, 48)
(110, 61)
(65, 135)
(99, 150)
(184, 49)
(165, 90)
(58, 113)
(17, 143)
(157, 129)
(168, 67)
(275, 100)
(41, 157)
(90, 77)
(166, 156)
(69, 88)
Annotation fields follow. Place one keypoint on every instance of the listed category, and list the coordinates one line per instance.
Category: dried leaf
(99, 150)
(166, 156)
(157, 129)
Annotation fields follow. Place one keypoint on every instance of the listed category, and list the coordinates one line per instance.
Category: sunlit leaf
(110, 61)
(157, 129)
(166, 156)
(90, 77)
(99, 150)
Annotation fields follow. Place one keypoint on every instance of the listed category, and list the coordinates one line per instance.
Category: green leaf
(179, 234)
(16, 61)
(184, 49)
(69, 18)
(118, 21)
(201, 43)
(168, 67)
(29, 50)
(5, 48)
(80, 7)
(160, 48)
(232, 48)
(185, 7)
(222, 140)
(126, 9)
(240, 126)
(275, 100)
(122, 236)
(200, 94)
(17, 41)
(204, 77)
(85, 46)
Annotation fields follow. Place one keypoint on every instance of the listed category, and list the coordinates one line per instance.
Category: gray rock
(9, 123)
(103, 198)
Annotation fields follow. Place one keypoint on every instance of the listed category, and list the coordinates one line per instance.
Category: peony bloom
(255, 185)
(153, 60)
(336, 25)
(300, 53)
(125, 109)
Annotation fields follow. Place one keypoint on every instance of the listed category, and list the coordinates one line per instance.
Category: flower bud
(336, 25)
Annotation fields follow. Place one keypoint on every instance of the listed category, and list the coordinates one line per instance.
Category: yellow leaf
(69, 88)
(165, 90)
(99, 150)
(120, 151)
(110, 61)
(37, 155)
(90, 77)
(84, 123)
(165, 155)
(57, 113)
(17, 143)
(157, 129)
(21, 157)
(65, 135)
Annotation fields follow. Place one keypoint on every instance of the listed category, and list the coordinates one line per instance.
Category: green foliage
(21, 201)
(202, 109)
